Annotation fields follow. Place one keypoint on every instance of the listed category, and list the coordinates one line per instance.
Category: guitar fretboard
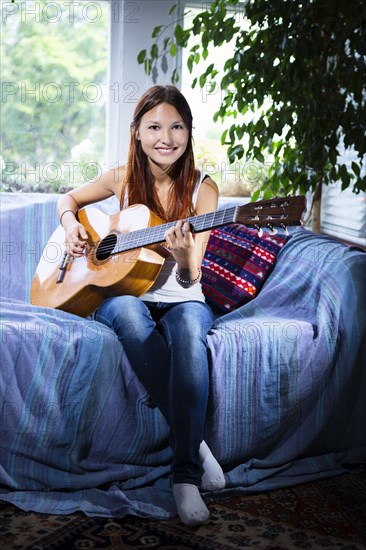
(155, 234)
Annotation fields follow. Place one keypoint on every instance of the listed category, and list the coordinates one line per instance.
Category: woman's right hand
(75, 239)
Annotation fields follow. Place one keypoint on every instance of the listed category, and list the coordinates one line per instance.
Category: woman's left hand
(182, 245)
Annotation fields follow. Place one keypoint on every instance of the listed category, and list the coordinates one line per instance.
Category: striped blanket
(287, 393)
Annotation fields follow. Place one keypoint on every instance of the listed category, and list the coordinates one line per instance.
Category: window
(54, 87)
(240, 178)
(67, 99)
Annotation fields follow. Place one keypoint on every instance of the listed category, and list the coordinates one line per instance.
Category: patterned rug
(327, 514)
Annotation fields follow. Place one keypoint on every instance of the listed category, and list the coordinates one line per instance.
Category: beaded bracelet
(64, 212)
(188, 281)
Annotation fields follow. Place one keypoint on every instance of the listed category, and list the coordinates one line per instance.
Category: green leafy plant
(296, 79)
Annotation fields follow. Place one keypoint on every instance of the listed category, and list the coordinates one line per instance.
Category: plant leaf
(156, 31)
(154, 52)
(141, 56)
(356, 168)
(255, 195)
(173, 49)
(172, 9)
(179, 35)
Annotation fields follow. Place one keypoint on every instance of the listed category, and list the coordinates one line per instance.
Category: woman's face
(163, 135)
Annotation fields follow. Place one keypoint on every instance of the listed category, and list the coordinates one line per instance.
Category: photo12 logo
(53, 172)
(54, 12)
(69, 92)
(51, 92)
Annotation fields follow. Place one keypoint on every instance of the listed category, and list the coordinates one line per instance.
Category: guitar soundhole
(106, 247)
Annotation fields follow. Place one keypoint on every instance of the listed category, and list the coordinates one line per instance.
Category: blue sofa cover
(287, 394)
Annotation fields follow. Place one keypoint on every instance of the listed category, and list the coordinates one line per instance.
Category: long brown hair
(139, 179)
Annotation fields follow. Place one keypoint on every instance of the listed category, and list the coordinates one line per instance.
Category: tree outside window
(54, 78)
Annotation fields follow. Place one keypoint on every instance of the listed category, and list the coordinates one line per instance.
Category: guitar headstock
(279, 211)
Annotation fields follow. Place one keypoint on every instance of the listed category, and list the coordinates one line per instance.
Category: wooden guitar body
(89, 280)
(124, 254)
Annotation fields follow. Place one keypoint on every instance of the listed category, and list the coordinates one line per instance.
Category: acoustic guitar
(124, 252)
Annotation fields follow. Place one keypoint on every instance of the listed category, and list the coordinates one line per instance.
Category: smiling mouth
(165, 150)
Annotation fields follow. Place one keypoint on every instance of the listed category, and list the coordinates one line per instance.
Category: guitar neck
(273, 212)
(156, 234)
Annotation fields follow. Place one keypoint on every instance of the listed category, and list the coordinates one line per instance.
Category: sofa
(287, 384)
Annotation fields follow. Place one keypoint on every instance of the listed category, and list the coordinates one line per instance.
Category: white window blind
(343, 214)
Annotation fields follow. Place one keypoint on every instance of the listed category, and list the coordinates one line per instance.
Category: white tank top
(166, 288)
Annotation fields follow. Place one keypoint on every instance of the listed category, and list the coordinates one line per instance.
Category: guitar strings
(200, 223)
(155, 234)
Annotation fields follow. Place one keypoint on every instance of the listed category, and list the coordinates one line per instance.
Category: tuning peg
(259, 229)
(284, 227)
(272, 230)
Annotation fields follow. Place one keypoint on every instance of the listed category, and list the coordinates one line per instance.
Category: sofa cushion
(236, 264)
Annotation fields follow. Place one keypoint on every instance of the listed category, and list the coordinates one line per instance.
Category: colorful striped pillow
(236, 264)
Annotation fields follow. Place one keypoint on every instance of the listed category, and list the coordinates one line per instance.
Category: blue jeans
(166, 347)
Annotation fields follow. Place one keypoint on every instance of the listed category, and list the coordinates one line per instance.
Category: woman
(164, 331)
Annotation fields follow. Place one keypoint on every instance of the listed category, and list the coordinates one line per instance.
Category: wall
(132, 24)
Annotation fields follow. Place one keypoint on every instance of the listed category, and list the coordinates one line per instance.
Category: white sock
(213, 477)
(190, 506)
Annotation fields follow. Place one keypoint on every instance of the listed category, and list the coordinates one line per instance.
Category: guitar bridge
(62, 267)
